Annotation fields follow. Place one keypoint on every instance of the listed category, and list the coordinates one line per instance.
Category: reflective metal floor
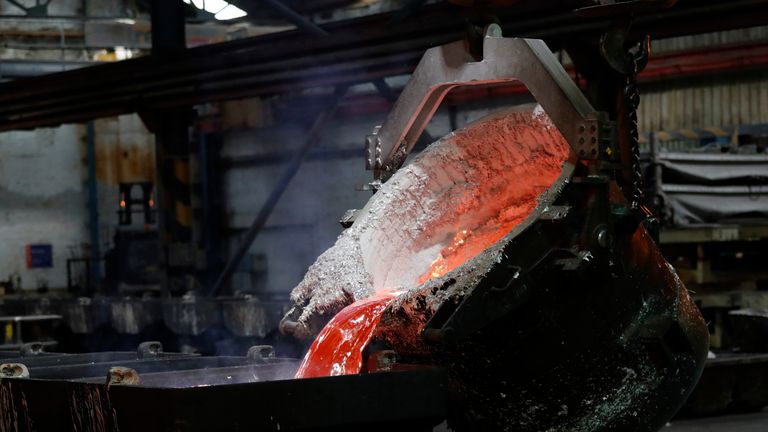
(756, 422)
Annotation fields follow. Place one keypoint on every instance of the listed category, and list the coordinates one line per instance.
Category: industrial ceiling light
(220, 9)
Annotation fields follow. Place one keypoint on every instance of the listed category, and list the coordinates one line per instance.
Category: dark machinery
(573, 321)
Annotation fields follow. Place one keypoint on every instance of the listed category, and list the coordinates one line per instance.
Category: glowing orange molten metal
(338, 349)
(467, 244)
(440, 265)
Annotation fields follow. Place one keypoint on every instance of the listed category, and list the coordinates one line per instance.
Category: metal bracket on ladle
(505, 60)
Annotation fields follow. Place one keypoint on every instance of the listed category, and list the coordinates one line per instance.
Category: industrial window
(220, 9)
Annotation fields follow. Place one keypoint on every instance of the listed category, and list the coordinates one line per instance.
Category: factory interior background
(169, 172)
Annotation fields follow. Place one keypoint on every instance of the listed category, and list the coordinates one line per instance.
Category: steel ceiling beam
(359, 50)
(687, 65)
(300, 6)
(253, 7)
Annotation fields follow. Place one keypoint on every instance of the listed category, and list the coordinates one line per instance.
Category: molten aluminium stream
(338, 349)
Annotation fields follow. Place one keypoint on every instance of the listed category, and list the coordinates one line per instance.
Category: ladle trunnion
(572, 320)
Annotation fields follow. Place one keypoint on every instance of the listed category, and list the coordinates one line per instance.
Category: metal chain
(632, 95)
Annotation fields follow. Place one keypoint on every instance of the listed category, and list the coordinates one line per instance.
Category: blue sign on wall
(39, 256)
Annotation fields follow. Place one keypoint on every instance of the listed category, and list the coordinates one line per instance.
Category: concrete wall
(42, 200)
(44, 195)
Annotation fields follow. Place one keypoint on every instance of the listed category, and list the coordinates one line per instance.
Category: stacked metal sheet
(705, 188)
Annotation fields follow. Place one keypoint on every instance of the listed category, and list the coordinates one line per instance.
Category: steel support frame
(359, 51)
(172, 150)
(505, 61)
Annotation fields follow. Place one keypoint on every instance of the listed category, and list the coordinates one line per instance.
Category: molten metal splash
(467, 244)
(440, 265)
(338, 349)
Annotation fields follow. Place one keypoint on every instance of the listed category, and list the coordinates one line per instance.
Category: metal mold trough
(19, 329)
(246, 316)
(43, 306)
(190, 316)
(749, 329)
(75, 366)
(132, 315)
(730, 383)
(184, 393)
(84, 315)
